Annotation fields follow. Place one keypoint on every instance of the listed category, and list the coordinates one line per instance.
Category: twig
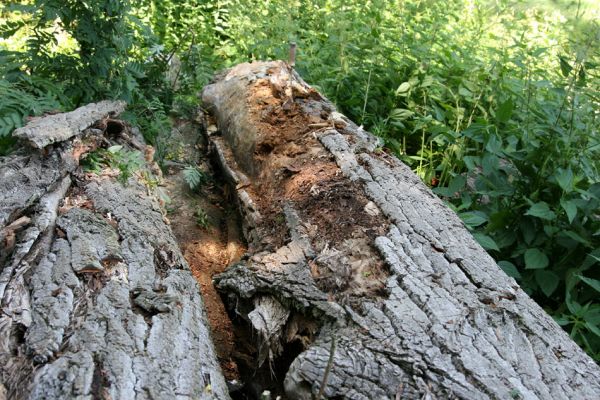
(327, 369)
(292, 64)
(362, 122)
(292, 54)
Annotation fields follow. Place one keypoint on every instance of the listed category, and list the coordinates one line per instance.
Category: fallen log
(358, 269)
(97, 300)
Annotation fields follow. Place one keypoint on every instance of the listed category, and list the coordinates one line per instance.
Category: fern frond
(193, 177)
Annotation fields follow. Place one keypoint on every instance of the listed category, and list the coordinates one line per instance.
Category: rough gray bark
(373, 258)
(97, 300)
(41, 132)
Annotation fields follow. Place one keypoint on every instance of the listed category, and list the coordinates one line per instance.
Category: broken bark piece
(42, 131)
(355, 243)
(96, 299)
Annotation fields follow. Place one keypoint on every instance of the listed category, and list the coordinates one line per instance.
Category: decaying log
(41, 132)
(346, 242)
(97, 300)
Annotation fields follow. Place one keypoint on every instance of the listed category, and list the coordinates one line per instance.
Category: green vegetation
(115, 157)
(495, 104)
(202, 219)
(59, 54)
(194, 177)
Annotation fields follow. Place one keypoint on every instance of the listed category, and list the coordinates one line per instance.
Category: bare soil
(207, 249)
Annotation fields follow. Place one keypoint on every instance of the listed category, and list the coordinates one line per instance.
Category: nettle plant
(525, 178)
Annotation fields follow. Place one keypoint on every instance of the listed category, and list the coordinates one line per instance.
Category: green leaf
(403, 89)
(593, 315)
(562, 320)
(509, 269)
(471, 162)
(592, 282)
(489, 163)
(547, 280)
(115, 149)
(193, 176)
(494, 144)
(457, 183)
(573, 306)
(427, 81)
(535, 259)
(473, 218)
(527, 230)
(541, 210)
(504, 237)
(591, 259)
(505, 111)
(564, 177)
(576, 237)
(570, 208)
(565, 67)
(463, 91)
(593, 328)
(485, 241)
(400, 114)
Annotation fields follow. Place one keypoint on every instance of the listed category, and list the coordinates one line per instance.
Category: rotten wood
(97, 300)
(345, 239)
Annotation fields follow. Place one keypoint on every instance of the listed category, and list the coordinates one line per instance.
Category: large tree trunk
(354, 263)
(97, 300)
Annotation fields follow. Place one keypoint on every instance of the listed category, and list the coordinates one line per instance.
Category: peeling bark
(97, 300)
(349, 238)
(42, 131)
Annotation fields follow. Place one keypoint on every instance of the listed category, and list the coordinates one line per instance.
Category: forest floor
(206, 224)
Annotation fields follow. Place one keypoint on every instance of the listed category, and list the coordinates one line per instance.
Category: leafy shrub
(63, 54)
(28, 96)
(534, 195)
(102, 59)
(150, 115)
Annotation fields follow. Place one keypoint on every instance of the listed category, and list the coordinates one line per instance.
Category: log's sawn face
(346, 242)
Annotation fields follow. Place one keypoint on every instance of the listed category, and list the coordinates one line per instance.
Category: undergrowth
(126, 162)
